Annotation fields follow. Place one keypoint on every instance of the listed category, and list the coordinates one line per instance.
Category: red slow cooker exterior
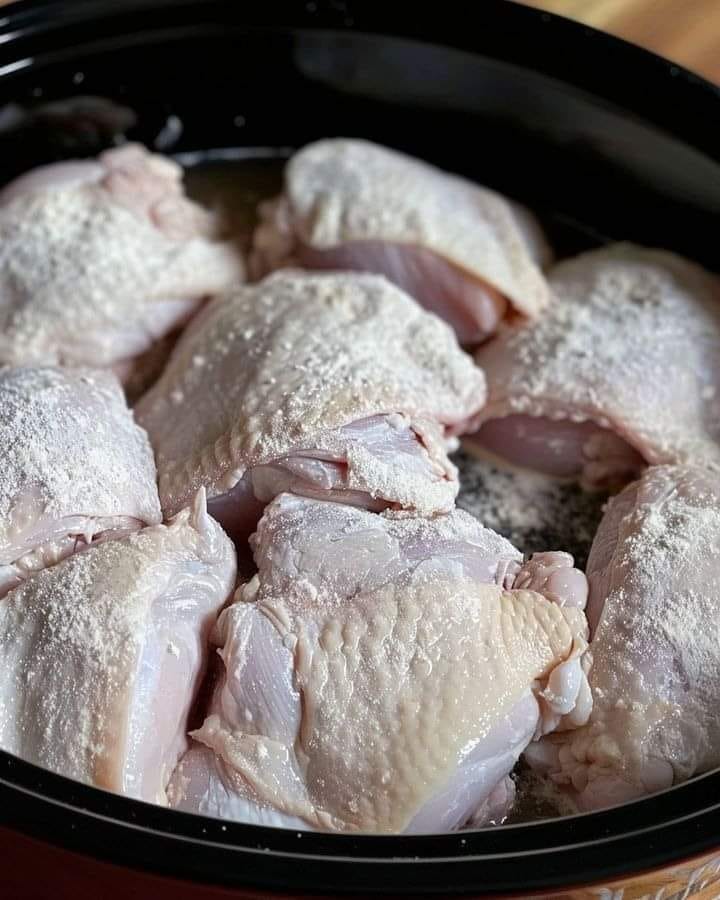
(34, 869)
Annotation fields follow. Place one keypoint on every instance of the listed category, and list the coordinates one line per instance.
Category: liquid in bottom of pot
(233, 183)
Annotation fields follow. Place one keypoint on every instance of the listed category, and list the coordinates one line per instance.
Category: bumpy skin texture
(378, 677)
(460, 249)
(654, 606)
(75, 467)
(621, 370)
(99, 259)
(302, 366)
(102, 654)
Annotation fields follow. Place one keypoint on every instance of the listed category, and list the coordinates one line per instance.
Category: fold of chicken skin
(335, 385)
(379, 676)
(461, 250)
(75, 467)
(102, 654)
(101, 258)
(622, 370)
(653, 608)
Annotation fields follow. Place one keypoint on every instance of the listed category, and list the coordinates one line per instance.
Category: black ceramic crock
(604, 140)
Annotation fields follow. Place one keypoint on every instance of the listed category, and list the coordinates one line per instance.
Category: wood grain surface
(686, 31)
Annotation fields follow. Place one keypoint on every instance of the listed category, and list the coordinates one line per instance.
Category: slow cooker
(604, 140)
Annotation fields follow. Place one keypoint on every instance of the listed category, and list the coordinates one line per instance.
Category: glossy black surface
(547, 855)
(604, 140)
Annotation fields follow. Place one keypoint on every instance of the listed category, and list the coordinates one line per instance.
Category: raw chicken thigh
(654, 607)
(379, 675)
(75, 468)
(102, 654)
(461, 250)
(334, 385)
(623, 369)
(100, 258)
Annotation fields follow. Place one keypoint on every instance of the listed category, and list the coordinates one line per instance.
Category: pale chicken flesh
(461, 250)
(653, 609)
(335, 385)
(392, 659)
(101, 258)
(621, 371)
(382, 674)
(103, 653)
(75, 467)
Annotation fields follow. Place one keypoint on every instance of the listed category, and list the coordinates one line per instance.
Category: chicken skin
(461, 250)
(101, 258)
(381, 673)
(75, 468)
(333, 385)
(102, 654)
(621, 371)
(653, 610)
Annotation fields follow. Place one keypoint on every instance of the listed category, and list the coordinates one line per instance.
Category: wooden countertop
(686, 31)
